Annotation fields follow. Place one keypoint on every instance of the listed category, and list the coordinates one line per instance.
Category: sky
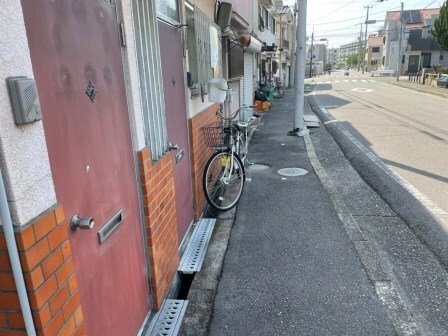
(339, 20)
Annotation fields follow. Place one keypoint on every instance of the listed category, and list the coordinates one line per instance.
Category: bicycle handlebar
(232, 116)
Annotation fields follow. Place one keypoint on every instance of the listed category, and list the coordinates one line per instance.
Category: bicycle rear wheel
(222, 183)
(279, 92)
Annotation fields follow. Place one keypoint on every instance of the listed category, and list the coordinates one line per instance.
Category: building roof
(414, 18)
(375, 41)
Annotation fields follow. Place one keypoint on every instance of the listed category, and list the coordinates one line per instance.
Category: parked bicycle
(224, 172)
(279, 90)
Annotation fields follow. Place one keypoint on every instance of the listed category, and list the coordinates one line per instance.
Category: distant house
(374, 52)
(332, 56)
(419, 48)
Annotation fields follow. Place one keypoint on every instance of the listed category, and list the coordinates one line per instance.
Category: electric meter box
(24, 99)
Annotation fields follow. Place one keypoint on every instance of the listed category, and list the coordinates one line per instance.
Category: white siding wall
(24, 157)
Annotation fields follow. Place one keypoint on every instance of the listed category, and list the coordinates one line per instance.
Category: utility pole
(298, 125)
(400, 43)
(280, 52)
(293, 48)
(365, 42)
(311, 51)
(360, 48)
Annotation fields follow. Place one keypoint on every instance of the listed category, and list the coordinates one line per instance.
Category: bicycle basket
(216, 134)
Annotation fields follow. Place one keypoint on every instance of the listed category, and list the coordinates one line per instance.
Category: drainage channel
(168, 320)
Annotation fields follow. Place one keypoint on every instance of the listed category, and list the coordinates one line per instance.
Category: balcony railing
(421, 44)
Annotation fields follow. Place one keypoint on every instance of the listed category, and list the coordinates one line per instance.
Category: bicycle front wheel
(223, 180)
(279, 92)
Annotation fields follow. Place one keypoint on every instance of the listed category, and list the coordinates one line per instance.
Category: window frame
(266, 20)
(168, 19)
(197, 20)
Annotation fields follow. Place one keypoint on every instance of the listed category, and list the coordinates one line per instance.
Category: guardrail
(415, 77)
(383, 72)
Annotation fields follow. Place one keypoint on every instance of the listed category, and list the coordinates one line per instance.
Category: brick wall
(199, 155)
(160, 222)
(50, 280)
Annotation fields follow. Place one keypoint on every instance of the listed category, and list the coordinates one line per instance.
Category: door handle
(81, 223)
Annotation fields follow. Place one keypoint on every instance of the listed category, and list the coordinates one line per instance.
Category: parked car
(443, 82)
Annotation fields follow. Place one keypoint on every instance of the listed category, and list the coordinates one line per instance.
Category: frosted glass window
(168, 10)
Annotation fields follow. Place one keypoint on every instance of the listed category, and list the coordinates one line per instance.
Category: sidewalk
(405, 83)
(290, 267)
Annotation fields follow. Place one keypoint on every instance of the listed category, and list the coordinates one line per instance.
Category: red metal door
(91, 156)
(176, 119)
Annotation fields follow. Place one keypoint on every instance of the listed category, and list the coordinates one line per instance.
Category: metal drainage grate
(168, 320)
(195, 252)
(255, 167)
(291, 172)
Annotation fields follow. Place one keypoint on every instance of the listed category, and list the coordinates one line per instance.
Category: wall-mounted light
(244, 38)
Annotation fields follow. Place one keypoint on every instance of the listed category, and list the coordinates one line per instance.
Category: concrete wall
(23, 150)
(244, 9)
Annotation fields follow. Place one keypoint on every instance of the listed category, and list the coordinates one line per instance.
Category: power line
(336, 10)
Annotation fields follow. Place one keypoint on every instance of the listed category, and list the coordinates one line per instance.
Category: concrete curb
(433, 231)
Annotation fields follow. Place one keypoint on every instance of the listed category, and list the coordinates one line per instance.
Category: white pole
(5, 218)
(400, 42)
(360, 49)
(280, 52)
(298, 125)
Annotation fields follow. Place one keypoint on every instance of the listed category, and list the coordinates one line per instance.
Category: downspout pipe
(11, 244)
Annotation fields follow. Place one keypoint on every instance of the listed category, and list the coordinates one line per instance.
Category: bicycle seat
(242, 125)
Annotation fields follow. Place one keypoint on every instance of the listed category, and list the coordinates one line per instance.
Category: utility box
(24, 100)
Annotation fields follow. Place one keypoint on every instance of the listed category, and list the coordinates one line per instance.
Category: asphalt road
(406, 129)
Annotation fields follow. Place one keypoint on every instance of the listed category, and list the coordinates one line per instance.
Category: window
(260, 19)
(266, 17)
(235, 59)
(168, 10)
(441, 58)
(274, 67)
(375, 49)
(273, 26)
(204, 50)
(151, 80)
(403, 59)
